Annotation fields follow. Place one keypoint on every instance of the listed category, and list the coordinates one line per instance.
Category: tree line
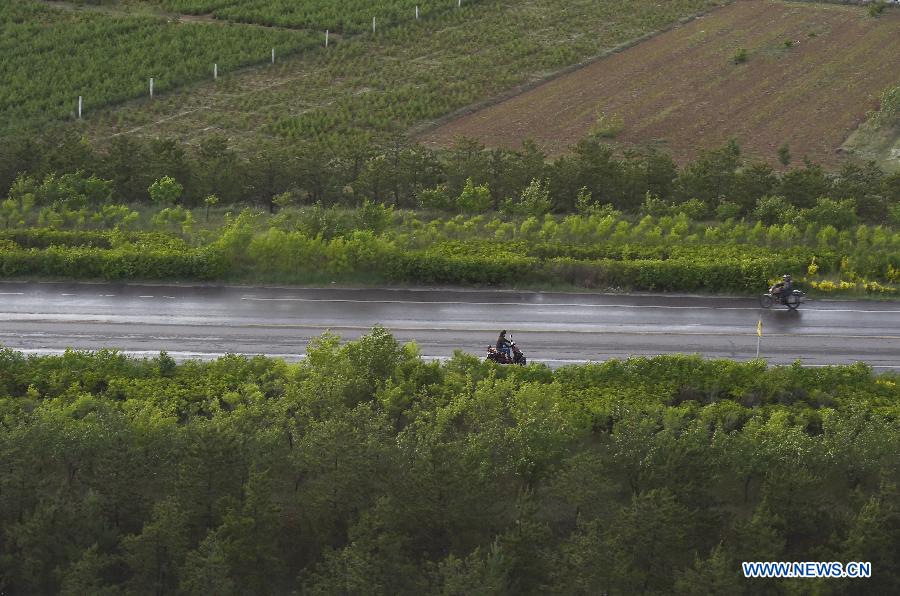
(722, 182)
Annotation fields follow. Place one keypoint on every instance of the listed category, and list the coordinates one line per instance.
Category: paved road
(555, 328)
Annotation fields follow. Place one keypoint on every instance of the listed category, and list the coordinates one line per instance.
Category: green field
(403, 76)
(108, 53)
(343, 16)
(51, 57)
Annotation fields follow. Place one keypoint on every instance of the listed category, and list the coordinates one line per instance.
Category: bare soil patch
(682, 91)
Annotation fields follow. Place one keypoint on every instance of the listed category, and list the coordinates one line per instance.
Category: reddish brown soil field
(682, 91)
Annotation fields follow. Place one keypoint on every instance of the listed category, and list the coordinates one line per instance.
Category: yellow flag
(759, 328)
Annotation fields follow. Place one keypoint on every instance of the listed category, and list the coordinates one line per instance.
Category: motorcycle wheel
(522, 361)
(766, 301)
(793, 305)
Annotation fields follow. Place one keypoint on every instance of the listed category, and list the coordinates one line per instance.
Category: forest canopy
(365, 469)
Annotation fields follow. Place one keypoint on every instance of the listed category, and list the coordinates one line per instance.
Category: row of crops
(414, 70)
(345, 16)
(50, 58)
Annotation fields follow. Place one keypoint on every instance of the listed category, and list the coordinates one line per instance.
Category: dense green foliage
(720, 184)
(364, 469)
(374, 244)
(661, 237)
(51, 57)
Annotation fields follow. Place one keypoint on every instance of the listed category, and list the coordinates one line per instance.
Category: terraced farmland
(811, 75)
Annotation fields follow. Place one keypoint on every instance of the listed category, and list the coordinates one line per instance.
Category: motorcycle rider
(783, 289)
(504, 346)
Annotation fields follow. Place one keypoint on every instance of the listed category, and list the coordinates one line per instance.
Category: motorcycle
(501, 358)
(793, 300)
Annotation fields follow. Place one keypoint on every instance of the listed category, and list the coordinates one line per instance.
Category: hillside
(363, 83)
(811, 74)
(678, 90)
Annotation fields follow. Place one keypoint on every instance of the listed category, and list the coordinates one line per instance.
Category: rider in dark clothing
(504, 345)
(783, 288)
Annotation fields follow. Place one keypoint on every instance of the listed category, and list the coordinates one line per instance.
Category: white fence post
(417, 12)
(273, 55)
(79, 107)
(215, 72)
(373, 24)
(151, 87)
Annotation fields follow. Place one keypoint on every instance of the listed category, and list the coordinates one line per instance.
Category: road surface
(554, 328)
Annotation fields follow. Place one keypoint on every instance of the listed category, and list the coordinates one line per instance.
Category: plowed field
(682, 90)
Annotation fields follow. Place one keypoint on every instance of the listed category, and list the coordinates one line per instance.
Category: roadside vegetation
(467, 216)
(364, 469)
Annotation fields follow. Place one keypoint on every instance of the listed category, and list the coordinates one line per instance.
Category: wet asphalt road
(554, 328)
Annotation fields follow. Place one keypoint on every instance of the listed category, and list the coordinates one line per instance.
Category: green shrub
(694, 209)
(435, 199)
(773, 209)
(373, 216)
(840, 214)
(474, 199)
(166, 191)
(534, 201)
(784, 155)
(876, 8)
(889, 107)
(607, 126)
(73, 190)
(728, 210)
(655, 206)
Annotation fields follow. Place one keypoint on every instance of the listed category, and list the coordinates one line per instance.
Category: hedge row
(278, 256)
(47, 237)
(432, 267)
(121, 263)
(746, 275)
(741, 276)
